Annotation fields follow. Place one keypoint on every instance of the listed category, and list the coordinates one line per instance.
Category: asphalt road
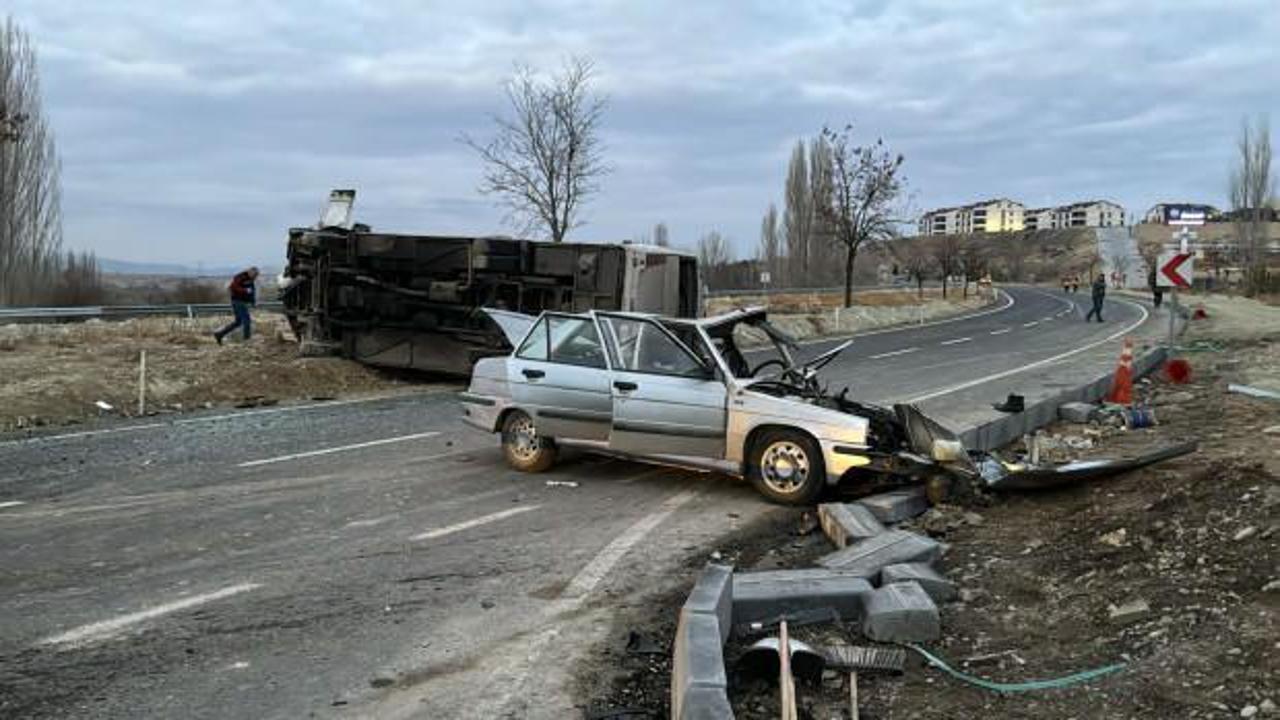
(375, 558)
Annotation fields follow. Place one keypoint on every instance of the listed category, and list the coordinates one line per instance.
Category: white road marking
(475, 522)
(11, 503)
(956, 341)
(1001, 331)
(840, 338)
(1048, 319)
(108, 628)
(1038, 363)
(891, 354)
(590, 576)
(1033, 323)
(340, 448)
(211, 418)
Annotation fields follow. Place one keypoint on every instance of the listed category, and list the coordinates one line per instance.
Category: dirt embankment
(54, 374)
(1042, 575)
(805, 315)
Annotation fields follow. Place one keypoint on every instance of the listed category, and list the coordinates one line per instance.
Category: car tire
(526, 451)
(786, 467)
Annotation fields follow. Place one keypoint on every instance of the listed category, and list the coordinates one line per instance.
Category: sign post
(1174, 269)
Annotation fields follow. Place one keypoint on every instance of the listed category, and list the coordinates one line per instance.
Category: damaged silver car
(724, 393)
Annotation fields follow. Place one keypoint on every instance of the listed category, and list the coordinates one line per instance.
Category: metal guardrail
(120, 312)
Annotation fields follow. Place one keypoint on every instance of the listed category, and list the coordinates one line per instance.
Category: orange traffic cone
(1122, 386)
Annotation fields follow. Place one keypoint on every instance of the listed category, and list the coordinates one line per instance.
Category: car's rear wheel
(786, 467)
(525, 449)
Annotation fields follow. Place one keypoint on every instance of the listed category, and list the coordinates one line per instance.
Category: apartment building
(997, 215)
(1092, 213)
(1037, 218)
(1163, 213)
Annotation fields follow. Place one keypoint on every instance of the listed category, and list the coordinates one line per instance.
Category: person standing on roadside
(244, 293)
(1157, 294)
(1099, 294)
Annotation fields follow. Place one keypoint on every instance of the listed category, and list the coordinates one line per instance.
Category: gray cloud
(199, 133)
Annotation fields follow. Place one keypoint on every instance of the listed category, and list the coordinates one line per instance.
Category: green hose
(1022, 686)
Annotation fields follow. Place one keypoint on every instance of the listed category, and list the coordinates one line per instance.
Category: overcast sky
(200, 132)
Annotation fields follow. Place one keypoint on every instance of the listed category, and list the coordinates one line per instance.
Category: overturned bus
(413, 301)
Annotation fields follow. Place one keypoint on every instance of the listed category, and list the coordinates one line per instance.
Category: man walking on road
(1099, 294)
(244, 293)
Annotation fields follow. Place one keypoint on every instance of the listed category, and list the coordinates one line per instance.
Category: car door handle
(533, 374)
(625, 386)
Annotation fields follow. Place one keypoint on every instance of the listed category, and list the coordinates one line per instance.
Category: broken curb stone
(848, 523)
(897, 505)
(938, 587)
(867, 558)
(697, 661)
(1076, 412)
(765, 595)
(713, 594)
(901, 612)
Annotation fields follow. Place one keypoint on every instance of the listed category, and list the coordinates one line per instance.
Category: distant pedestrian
(1157, 294)
(1075, 283)
(1099, 294)
(244, 293)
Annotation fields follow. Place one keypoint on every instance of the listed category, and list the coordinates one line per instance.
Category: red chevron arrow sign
(1175, 269)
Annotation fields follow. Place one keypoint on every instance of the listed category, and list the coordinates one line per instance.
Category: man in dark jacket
(244, 293)
(1099, 294)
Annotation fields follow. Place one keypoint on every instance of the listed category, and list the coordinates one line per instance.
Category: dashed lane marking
(891, 354)
(1033, 323)
(474, 522)
(956, 341)
(1001, 331)
(1039, 363)
(107, 629)
(340, 448)
(11, 503)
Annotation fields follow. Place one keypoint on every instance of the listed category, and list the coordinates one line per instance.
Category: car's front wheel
(525, 449)
(786, 467)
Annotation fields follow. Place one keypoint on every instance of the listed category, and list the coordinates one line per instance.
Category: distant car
(723, 393)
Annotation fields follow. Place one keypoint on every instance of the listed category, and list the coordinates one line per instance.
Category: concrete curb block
(1002, 431)
(698, 681)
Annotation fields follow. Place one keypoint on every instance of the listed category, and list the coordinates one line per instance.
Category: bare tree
(946, 258)
(714, 255)
(1250, 189)
(769, 252)
(914, 259)
(30, 184)
(661, 236)
(546, 159)
(973, 261)
(824, 255)
(865, 182)
(798, 220)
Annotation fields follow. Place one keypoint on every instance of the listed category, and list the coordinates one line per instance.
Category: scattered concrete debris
(1077, 412)
(1254, 391)
(104, 406)
(897, 505)
(761, 595)
(901, 613)
(938, 587)
(562, 483)
(1173, 398)
(1001, 475)
(844, 523)
(1245, 533)
(867, 558)
(1129, 612)
(1115, 538)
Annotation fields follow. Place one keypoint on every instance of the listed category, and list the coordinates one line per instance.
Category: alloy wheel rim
(784, 466)
(524, 438)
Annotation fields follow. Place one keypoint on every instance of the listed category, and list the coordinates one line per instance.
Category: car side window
(534, 346)
(574, 341)
(643, 347)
